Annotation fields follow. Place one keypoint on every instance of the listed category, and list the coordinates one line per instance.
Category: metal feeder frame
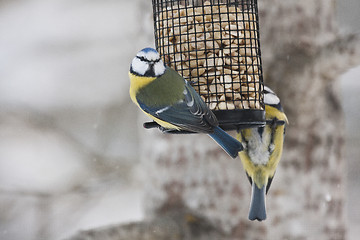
(215, 45)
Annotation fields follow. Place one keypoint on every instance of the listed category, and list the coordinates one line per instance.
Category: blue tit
(172, 102)
(263, 147)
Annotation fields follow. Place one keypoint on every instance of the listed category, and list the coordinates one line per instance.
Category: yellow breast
(136, 83)
(260, 173)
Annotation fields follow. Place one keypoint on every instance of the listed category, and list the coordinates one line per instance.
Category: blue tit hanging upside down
(263, 147)
(172, 102)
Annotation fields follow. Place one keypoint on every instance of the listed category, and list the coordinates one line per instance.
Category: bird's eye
(142, 58)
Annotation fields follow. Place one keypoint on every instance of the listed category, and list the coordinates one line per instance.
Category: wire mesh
(215, 45)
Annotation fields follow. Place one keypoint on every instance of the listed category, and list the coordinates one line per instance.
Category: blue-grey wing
(190, 113)
(197, 106)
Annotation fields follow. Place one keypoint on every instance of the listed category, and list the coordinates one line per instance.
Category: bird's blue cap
(148, 50)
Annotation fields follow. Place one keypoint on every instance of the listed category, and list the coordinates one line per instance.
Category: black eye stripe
(267, 92)
(147, 60)
(142, 59)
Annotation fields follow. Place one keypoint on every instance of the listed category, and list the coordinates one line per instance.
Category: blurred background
(68, 139)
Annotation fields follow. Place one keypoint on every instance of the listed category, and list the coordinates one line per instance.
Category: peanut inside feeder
(215, 45)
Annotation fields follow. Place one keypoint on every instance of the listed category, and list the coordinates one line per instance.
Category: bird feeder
(215, 45)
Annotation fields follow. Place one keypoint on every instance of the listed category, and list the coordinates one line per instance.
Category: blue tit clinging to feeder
(172, 102)
(263, 147)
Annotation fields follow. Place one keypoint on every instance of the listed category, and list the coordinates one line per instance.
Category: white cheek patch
(271, 99)
(138, 66)
(159, 68)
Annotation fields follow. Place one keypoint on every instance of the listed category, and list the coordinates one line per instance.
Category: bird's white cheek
(159, 68)
(271, 99)
(139, 66)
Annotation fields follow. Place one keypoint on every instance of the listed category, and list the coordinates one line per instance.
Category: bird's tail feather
(257, 205)
(227, 142)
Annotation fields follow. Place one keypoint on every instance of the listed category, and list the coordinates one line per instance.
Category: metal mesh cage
(215, 45)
